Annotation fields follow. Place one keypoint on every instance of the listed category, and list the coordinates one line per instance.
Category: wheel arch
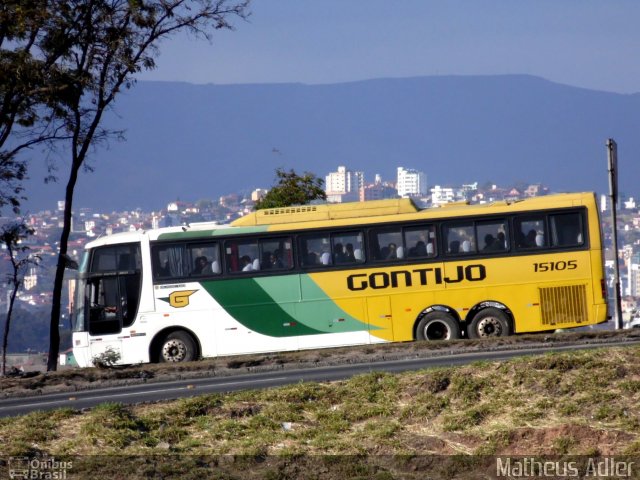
(434, 308)
(154, 347)
(490, 304)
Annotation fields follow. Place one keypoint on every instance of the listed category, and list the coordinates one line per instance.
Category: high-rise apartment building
(344, 185)
(634, 280)
(441, 195)
(379, 190)
(411, 183)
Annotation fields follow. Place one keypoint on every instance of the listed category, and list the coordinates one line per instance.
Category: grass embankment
(580, 403)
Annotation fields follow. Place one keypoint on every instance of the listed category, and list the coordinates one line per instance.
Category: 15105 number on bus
(553, 266)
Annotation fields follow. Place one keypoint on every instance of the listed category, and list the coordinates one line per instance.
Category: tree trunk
(54, 333)
(5, 339)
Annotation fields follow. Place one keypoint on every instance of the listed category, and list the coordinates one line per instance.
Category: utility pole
(612, 150)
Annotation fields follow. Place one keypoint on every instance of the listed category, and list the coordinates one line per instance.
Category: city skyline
(441, 190)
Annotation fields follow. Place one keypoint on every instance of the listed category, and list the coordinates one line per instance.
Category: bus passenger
(349, 255)
(490, 243)
(202, 266)
(392, 253)
(531, 238)
(311, 258)
(420, 249)
(339, 256)
(245, 263)
(501, 242)
(274, 260)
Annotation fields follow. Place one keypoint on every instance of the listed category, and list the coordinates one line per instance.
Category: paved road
(171, 390)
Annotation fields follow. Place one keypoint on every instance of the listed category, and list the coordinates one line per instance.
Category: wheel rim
(174, 351)
(490, 327)
(437, 330)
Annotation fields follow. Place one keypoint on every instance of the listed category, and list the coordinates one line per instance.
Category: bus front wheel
(438, 326)
(177, 347)
(490, 322)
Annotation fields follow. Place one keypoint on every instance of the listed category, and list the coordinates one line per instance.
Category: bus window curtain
(177, 262)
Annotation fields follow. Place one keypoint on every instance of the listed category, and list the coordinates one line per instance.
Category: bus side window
(460, 238)
(566, 229)
(125, 257)
(242, 256)
(347, 248)
(170, 261)
(324, 249)
(205, 259)
(530, 232)
(386, 245)
(492, 236)
(419, 241)
(315, 250)
(276, 253)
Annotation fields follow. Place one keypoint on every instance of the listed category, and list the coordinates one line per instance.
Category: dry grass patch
(578, 403)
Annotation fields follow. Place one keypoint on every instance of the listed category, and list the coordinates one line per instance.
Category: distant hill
(201, 141)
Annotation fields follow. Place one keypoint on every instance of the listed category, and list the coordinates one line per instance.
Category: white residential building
(411, 183)
(258, 194)
(379, 190)
(30, 280)
(440, 195)
(344, 185)
(603, 203)
(630, 204)
(634, 280)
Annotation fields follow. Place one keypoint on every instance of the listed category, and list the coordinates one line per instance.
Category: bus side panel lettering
(375, 283)
(475, 273)
(423, 274)
(405, 274)
(405, 278)
(460, 272)
(362, 284)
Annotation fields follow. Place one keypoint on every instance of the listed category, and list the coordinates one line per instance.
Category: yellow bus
(329, 275)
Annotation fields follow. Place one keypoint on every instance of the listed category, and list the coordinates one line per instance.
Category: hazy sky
(587, 43)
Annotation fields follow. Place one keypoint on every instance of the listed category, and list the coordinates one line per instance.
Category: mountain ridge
(193, 141)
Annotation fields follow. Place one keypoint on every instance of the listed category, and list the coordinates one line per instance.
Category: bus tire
(489, 322)
(438, 326)
(177, 347)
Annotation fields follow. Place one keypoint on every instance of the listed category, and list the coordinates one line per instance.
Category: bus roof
(324, 215)
(328, 211)
(373, 211)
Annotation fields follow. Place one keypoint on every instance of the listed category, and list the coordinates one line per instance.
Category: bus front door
(113, 301)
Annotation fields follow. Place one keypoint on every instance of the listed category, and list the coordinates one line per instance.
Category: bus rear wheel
(490, 322)
(438, 326)
(177, 347)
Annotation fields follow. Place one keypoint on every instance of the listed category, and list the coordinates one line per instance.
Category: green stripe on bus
(271, 306)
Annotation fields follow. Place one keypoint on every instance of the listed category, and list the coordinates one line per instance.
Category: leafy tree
(292, 189)
(97, 46)
(11, 235)
(31, 87)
